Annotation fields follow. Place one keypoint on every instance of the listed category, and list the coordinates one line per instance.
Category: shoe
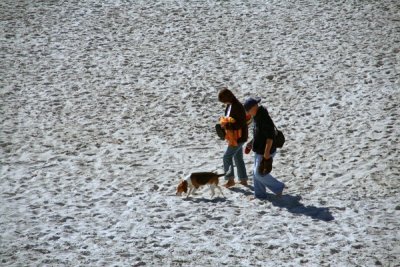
(230, 183)
(279, 195)
(244, 182)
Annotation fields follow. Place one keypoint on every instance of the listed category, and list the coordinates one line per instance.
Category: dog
(193, 182)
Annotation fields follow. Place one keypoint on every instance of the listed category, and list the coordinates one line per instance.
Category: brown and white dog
(197, 179)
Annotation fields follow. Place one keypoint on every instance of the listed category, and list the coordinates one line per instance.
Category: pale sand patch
(105, 105)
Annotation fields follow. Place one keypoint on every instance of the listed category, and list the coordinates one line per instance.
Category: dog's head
(182, 188)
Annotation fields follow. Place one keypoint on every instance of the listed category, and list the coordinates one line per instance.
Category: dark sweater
(239, 114)
(263, 130)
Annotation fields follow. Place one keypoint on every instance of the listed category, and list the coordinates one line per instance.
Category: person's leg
(228, 163)
(273, 184)
(241, 167)
(268, 180)
(259, 187)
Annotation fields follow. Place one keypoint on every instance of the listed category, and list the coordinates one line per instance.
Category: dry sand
(105, 105)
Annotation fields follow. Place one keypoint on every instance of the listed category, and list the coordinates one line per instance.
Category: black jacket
(239, 114)
(263, 129)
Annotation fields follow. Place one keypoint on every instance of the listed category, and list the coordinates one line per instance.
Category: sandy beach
(106, 105)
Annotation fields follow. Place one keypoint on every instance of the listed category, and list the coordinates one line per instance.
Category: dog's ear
(185, 186)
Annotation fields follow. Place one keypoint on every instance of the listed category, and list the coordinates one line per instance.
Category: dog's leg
(212, 190)
(194, 191)
(190, 191)
(220, 190)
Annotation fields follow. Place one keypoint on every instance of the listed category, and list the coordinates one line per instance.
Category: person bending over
(234, 123)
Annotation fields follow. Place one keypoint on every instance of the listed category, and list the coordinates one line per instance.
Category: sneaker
(230, 183)
(279, 195)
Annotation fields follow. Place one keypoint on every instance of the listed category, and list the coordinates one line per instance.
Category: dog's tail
(228, 173)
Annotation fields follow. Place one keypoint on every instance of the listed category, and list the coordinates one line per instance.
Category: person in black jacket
(235, 110)
(263, 147)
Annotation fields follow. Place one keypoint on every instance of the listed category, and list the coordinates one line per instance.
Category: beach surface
(106, 105)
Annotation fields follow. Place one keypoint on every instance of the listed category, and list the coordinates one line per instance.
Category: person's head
(251, 106)
(226, 96)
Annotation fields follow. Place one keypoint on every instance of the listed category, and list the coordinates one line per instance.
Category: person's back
(263, 130)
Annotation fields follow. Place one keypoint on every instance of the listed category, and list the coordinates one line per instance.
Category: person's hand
(249, 147)
(267, 156)
(222, 121)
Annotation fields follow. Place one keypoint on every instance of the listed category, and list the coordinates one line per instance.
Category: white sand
(105, 105)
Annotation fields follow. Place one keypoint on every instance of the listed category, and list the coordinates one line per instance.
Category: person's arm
(268, 129)
(233, 126)
(267, 153)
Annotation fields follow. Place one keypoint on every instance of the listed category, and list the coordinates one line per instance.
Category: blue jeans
(261, 182)
(235, 152)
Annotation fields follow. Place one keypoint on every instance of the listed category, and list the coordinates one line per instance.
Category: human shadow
(293, 205)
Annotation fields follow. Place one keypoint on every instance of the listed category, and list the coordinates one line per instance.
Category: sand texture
(105, 105)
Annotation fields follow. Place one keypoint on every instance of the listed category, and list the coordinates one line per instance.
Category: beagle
(197, 179)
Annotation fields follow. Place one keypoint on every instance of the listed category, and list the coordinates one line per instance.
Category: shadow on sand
(208, 200)
(291, 204)
(247, 191)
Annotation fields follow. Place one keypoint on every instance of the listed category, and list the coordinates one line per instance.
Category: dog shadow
(293, 205)
(208, 200)
(243, 191)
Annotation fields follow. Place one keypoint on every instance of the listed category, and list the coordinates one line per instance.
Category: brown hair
(225, 95)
